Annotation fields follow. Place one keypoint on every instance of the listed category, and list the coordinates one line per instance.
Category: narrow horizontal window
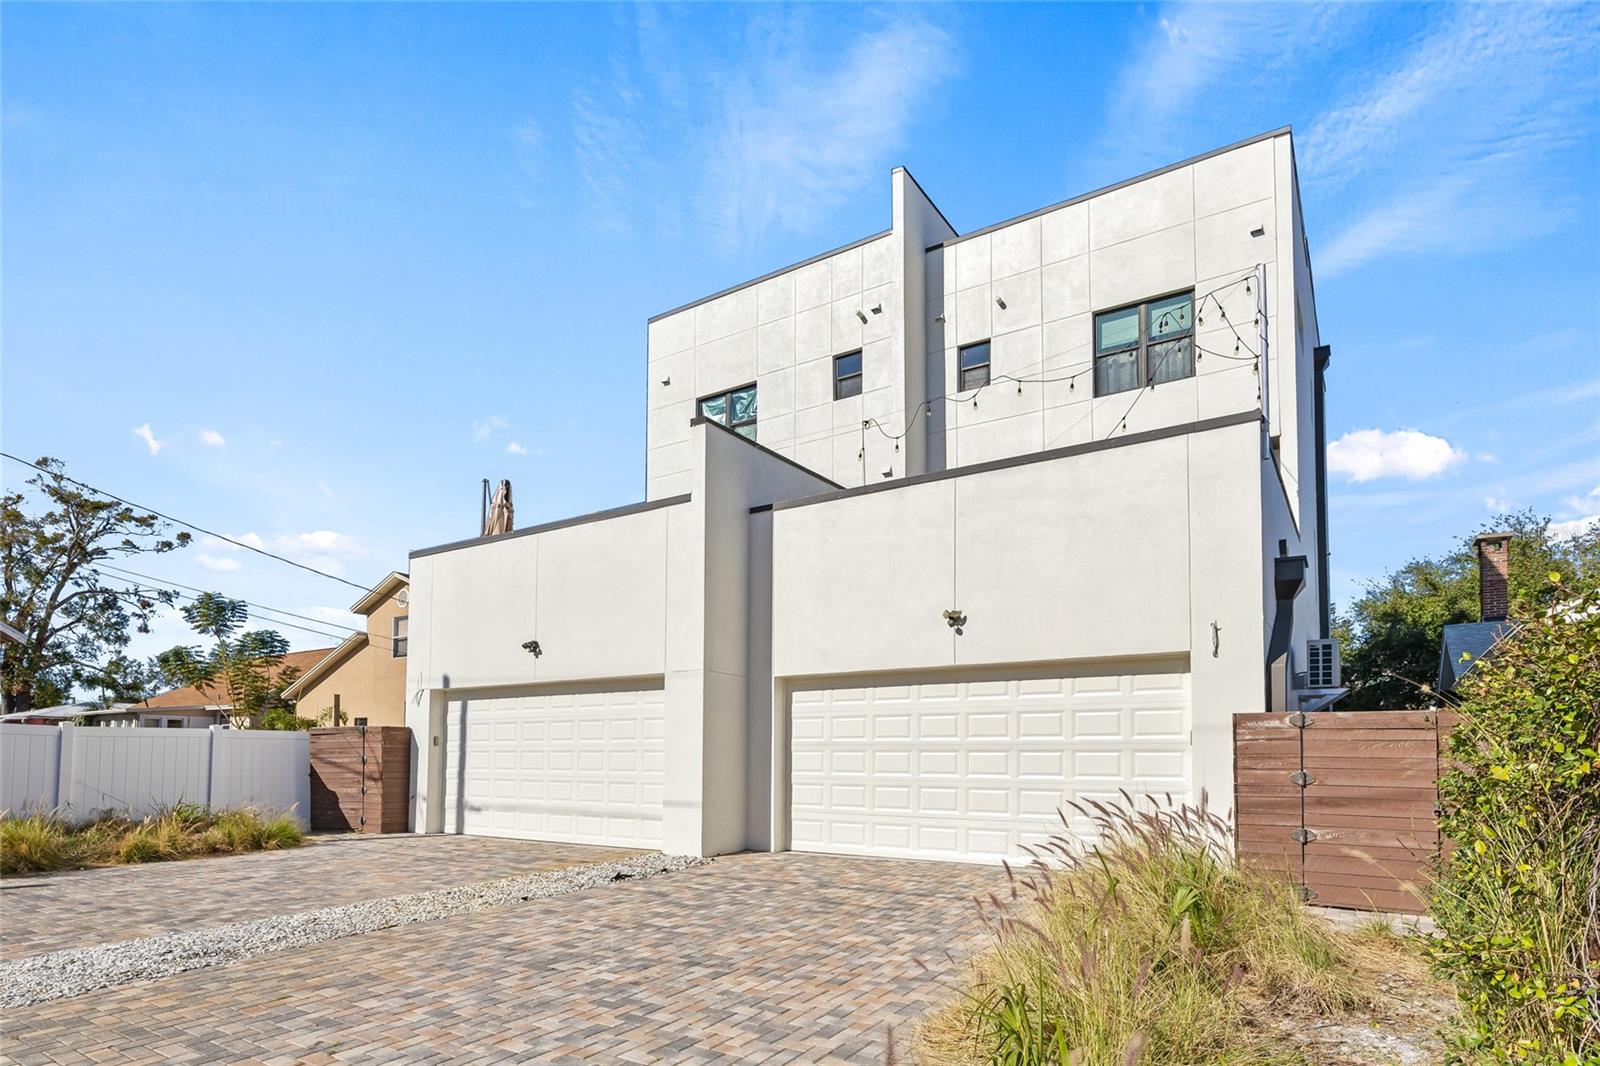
(735, 409)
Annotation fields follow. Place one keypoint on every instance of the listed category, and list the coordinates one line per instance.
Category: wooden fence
(361, 779)
(1345, 802)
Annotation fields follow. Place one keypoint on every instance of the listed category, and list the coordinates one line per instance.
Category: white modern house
(941, 531)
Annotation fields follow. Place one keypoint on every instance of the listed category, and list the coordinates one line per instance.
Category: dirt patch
(1405, 1026)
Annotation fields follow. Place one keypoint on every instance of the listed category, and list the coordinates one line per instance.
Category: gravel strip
(59, 974)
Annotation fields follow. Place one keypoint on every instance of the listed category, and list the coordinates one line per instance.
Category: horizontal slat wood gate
(1345, 802)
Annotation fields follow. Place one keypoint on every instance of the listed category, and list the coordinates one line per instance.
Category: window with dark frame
(402, 629)
(1144, 344)
(847, 375)
(735, 409)
(972, 362)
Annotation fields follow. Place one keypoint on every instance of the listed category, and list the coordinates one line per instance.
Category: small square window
(361, 723)
(846, 375)
(401, 635)
(973, 363)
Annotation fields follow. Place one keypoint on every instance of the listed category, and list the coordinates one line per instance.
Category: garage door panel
(579, 767)
(979, 770)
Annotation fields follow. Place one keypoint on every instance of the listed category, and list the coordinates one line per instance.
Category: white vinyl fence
(82, 771)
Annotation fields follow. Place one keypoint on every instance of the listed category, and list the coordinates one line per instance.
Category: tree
(247, 667)
(72, 615)
(1390, 637)
(1515, 901)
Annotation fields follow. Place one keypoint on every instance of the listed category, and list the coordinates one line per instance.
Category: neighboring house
(1464, 643)
(66, 712)
(942, 533)
(11, 635)
(205, 706)
(363, 680)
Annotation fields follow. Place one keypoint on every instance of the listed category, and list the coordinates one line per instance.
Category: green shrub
(1515, 899)
(1152, 946)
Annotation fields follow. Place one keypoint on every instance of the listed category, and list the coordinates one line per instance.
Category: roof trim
(380, 592)
(595, 516)
(11, 635)
(699, 420)
(325, 664)
(772, 274)
(1267, 136)
(1185, 429)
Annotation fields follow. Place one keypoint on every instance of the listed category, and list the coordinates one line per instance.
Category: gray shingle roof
(1473, 639)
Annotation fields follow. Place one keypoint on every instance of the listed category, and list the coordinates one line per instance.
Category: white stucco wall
(1188, 227)
(1121, 553)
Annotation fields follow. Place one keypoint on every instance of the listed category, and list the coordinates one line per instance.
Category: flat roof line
(593, 516)
(1279, 132)
(1203, 426)
(770, 275)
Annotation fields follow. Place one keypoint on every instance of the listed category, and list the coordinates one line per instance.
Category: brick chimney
(1493, 555)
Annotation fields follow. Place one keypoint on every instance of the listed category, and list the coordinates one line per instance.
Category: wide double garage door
(974, 767)
(579, 766)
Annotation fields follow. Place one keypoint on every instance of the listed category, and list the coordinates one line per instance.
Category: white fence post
(211, 763)
(64, 754)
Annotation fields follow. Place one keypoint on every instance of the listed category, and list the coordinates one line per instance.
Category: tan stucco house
(197, 708)
(363, 679)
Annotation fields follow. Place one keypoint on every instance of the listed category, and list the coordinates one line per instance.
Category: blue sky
(305, 274)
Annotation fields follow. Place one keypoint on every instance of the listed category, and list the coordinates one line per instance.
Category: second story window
(1144, 344)
(402, 629)
(973, 363)
(735, 409)
(846, 375)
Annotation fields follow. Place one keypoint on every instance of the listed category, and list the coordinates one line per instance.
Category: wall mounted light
(667, 380)
(939, 317)
(862, 315)
(1001, 300)
(1259, 231)
(877, 309)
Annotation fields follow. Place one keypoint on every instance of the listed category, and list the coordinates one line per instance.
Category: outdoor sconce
(939, 317)
(667, 380)
(862, 315)
(1259, 231)
(1001, 300)
(955, 619)
(877, 309)
(533, 647)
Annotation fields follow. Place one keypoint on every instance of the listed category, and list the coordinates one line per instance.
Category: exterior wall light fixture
(862, 315)
(1001, 300)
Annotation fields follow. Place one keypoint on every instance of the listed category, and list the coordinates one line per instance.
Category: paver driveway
(86, 907)
(758, 958)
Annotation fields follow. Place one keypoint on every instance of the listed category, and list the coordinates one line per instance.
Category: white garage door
(581, 767)
(973, 769)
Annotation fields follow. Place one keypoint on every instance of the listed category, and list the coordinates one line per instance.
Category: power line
(131, 593)
(178, 521)
(258, 606)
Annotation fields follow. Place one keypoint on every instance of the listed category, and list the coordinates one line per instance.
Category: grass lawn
(39, 843)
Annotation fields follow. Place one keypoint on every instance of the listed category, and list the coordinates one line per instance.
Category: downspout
(1288, 578)
(1321, 356)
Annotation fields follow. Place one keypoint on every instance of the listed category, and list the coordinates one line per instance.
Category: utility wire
(188, 525)
(258, 606)
(134, 594)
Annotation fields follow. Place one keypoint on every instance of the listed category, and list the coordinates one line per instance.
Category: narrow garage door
(972, 769)
(580, 767)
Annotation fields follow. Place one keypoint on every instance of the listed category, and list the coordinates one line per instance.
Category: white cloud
(1369, 454)
(145, 434)
(1459, 134)
(775, 123)
(1574, 527)
(484, 428)
(212, 438)
(217, 564)
(513, 448)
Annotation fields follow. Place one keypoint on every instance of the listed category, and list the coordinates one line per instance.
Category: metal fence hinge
(1300, 720)
(1301, 778)
(1302, 836)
